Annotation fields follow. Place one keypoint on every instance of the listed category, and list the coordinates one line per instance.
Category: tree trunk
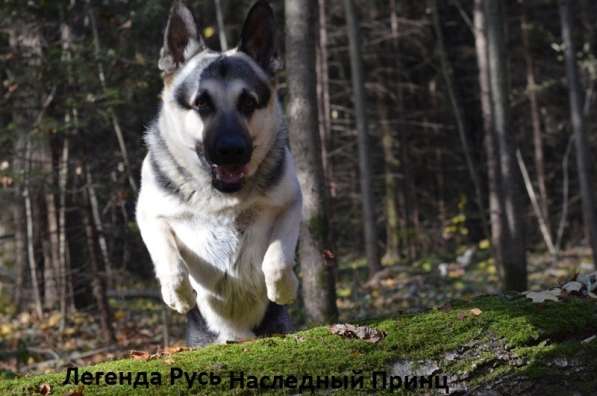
(98, 280)
(514, 250)
(391, 163)
(221, 27)
(358, 86)
(31, 253)
(323, 90)
(496, 212)
(99, 227)
(392, 253)
(71, 122)
(52, 278)
(25, 40)
(535, 119)
(457, 111)
(583, 156)
(20, 251)
(318, 274)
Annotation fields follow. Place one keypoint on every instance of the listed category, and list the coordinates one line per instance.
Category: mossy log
(492, 345)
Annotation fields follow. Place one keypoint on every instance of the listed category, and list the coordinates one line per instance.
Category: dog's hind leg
(197, 333)
(275, 321)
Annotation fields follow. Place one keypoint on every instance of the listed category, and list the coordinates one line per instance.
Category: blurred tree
(583, 156)
(513, 255)
(317, 267)
(358, 91)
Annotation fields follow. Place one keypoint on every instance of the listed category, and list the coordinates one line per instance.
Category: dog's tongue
(230, 174)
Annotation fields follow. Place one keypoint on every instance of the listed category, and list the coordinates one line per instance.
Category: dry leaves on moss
(143, 355)
(545, 295)
(364, 333)
(580, 285)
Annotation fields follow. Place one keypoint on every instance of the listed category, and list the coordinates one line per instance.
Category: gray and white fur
(220, 204)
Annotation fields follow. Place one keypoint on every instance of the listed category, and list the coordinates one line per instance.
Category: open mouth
(228, 178)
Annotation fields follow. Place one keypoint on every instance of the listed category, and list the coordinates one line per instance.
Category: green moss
(537, 333)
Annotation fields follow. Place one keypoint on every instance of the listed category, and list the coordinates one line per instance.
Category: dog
(220, 205)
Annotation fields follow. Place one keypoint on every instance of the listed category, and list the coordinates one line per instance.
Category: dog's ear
(182, 39)
(258, 36)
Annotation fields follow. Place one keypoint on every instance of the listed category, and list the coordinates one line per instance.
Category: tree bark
(583, 156)
(358, 86)
(496, 212)
(31, 253)
(323, 90)
(71, 121)
(535, 118)
(99, 227)
(221, 27)
(52, 276)
(392, 253)
(98, 280)
(318, 274)
(514, 252)
(388, 142)
(25, 40)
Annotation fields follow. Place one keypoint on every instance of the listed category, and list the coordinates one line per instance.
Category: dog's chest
(233, 243)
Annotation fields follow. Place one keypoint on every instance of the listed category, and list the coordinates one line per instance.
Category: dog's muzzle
(230, 156)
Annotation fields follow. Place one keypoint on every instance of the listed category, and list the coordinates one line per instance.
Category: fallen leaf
(140, 355)
(542, 296)
(572, 286)
(45, 389)
(365, 333)
(175, 349)
(587, 340)
(476, 311)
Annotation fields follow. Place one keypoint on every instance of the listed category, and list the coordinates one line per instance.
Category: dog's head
(221, 105)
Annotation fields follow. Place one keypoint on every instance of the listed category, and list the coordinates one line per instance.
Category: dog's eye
(246, 104)
(203, 103)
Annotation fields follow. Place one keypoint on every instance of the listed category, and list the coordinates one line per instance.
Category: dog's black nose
(232, 150)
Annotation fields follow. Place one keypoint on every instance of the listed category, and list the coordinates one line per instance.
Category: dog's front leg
(170, 268)
(280, 280)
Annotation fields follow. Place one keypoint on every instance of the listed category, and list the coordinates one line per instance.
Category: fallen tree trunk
(498, 345)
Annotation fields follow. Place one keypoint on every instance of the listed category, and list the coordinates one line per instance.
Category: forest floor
(33, 345)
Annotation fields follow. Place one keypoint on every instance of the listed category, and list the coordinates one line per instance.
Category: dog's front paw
(178, 293)
(281, 286)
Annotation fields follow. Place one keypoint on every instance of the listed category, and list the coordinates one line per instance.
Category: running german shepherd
(220, 204)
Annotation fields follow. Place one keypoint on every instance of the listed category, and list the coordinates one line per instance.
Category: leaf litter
(364, 333)
(580, 285)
